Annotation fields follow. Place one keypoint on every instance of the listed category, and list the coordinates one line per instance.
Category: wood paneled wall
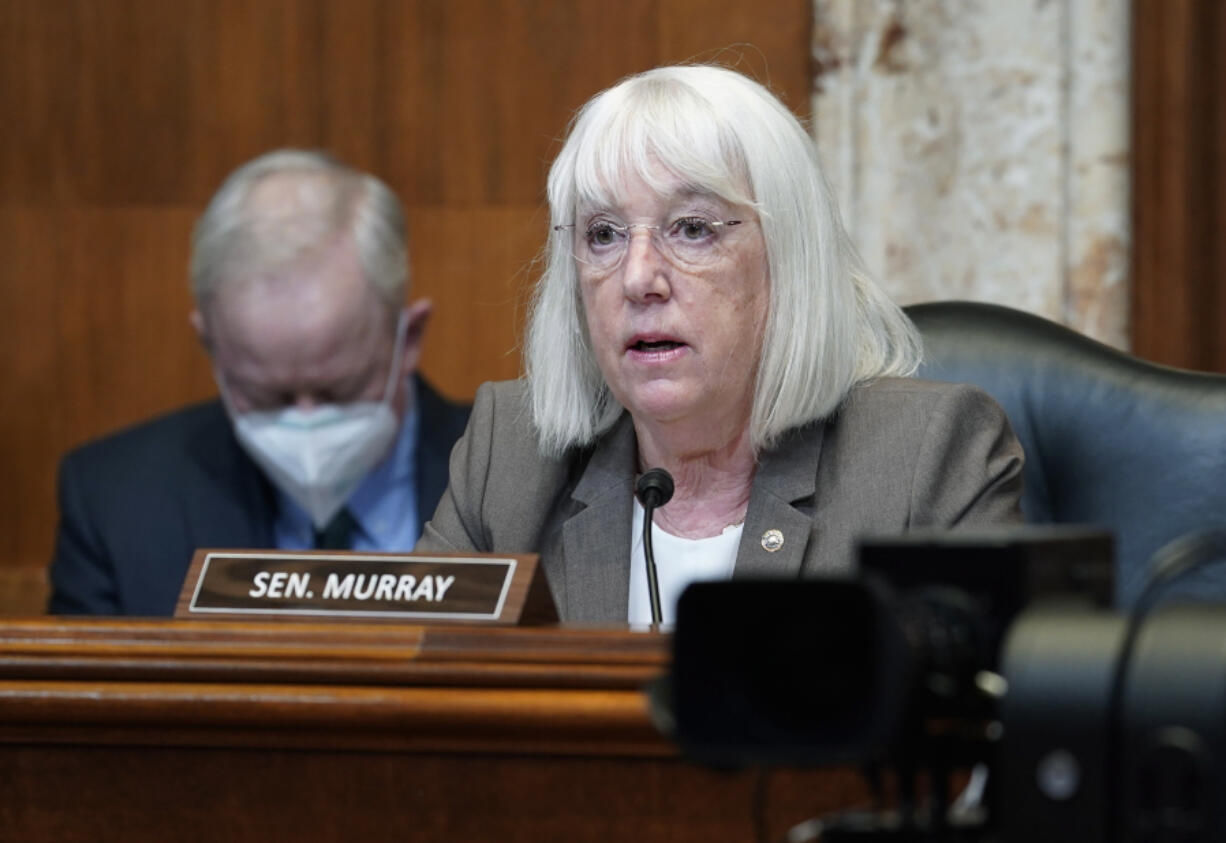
(121, 117)
(1179, 182)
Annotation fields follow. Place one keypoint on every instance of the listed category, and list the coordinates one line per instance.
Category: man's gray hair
(243, 232)
(829, 326)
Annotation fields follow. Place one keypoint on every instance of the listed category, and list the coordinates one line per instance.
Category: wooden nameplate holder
(417, 588)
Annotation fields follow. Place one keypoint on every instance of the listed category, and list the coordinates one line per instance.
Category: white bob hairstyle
(242, 233)
(828, 328)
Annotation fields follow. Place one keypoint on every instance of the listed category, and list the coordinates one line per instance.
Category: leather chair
(1110, 439)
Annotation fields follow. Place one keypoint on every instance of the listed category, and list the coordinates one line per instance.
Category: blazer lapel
(229, 504)
(596, 540)
(436, 434)
(777, 533)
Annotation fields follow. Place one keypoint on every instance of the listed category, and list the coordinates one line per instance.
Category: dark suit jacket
(899, 454)
(135, 506)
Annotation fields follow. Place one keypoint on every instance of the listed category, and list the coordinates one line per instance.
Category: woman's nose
(645, 271)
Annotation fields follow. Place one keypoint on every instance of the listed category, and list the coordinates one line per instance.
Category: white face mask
(319, 457)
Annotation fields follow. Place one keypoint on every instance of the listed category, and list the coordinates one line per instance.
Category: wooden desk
(189, 730)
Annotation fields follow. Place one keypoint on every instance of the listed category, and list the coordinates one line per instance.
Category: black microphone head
(654, 488)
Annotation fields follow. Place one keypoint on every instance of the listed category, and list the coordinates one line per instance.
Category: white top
(679, 562)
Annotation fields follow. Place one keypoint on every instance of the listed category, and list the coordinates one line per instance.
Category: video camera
(997, 653)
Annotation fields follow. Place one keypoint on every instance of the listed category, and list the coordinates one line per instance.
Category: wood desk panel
(154, 730)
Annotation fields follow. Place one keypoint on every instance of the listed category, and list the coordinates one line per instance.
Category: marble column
(979, 149)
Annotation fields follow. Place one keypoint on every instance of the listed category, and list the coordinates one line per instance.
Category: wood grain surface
(160, 730)
(123, 116)
(1179, 182)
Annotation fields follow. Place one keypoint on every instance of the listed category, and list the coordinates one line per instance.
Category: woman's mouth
(649, 349)
(655, 345)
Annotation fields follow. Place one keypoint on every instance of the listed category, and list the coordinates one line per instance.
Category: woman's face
(675, 313)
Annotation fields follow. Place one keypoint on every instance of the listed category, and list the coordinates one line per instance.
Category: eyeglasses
(688, 242)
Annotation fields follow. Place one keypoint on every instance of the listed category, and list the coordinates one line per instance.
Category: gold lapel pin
(772, 540)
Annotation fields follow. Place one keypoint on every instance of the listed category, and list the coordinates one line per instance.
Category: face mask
(318, 457)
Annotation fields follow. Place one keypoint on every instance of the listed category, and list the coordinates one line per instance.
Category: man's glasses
(690, 242)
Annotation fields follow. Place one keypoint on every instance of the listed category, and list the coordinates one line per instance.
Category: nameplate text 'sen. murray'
(404, 587)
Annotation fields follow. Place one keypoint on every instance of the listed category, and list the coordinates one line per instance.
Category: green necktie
(337, 534)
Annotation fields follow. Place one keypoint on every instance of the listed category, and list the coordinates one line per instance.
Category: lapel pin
(772, 540)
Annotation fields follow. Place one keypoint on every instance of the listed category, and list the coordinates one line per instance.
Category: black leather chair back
(1110, 439)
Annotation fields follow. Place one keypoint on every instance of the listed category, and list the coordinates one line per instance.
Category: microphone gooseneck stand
(653, 489)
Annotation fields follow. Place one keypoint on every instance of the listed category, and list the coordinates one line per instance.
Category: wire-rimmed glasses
(690, 241)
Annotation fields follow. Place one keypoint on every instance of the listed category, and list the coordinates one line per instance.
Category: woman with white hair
(702, 311)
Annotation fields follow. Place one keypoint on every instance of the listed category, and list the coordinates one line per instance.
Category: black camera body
(952, 650)
(1102, 742)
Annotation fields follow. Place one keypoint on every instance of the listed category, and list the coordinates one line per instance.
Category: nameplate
(402, 587)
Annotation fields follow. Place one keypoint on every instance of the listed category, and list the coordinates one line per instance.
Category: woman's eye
(693, 228)
(602, 234)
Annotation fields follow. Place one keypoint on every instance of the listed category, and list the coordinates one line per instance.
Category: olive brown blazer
(897, 455)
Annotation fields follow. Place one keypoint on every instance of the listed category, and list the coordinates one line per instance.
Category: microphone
(654, 488)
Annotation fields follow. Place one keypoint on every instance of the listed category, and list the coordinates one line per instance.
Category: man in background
(323, 437)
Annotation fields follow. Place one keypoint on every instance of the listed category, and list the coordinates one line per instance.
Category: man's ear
(417, 316)
(202, 333)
